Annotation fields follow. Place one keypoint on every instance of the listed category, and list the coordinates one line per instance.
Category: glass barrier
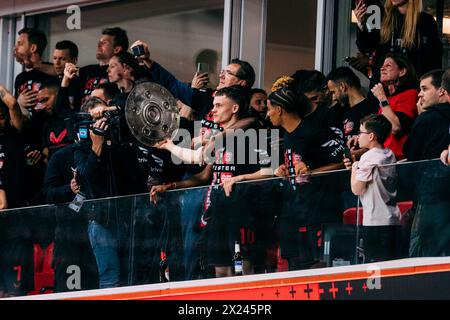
(264, 226)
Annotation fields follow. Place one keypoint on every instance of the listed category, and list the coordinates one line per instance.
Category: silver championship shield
(152, 113)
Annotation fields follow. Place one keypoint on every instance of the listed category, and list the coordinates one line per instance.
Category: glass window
(179, 32)
(441, 8)
(290, 39)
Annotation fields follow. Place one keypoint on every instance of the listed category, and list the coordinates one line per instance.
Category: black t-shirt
(69, 98)
(33, 129)
(329, 117)
(54, 134)
(333, 118)
(318, 200)
(30, 80)
(315, 145)
(91, 77)
(12, 161)
(157, 165)
(352, 117)
(202, 102)
(232, 163)
(115, 173)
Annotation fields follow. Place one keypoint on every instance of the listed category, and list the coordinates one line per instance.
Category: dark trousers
(381, 243)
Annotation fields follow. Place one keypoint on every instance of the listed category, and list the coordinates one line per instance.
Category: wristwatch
(384, 103)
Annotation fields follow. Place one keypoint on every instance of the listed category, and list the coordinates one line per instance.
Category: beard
(23, 59)
(343, 99)
(100, 56)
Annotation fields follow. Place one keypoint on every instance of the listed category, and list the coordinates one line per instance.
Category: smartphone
(138, 50)
(28, 149)
(202, 67)
(348, 154)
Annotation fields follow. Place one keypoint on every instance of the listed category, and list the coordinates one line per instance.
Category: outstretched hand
(165, 144)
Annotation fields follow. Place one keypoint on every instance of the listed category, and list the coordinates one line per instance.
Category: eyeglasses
(227, 73)
(362, 132)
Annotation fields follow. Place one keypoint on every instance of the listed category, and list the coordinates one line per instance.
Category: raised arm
(15, 113)
(157, 73)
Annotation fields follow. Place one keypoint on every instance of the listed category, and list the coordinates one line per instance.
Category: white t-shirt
(379, 200)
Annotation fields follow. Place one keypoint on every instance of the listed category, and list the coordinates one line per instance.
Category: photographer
(105, 170)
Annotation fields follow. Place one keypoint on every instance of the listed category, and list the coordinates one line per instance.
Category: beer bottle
(163, 268)
(237, 259)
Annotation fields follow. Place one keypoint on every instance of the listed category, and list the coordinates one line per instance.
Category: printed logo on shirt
(30, 85)
(348, 127)
(263, 156)
(338, 132)
(158, 161)
(57, 139)
(91, 85)
(330, 143)
(211, 125)
(224, 168)
(143, 150)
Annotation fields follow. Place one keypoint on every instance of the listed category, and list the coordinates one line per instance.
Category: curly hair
(281, 82)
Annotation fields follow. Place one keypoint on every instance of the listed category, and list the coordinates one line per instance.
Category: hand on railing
(302, 169)
(445, 157)
(160, 189)
(229, 183)
(282, 171)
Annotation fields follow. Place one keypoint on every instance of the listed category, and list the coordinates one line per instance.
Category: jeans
(191, 208)
(105, 245)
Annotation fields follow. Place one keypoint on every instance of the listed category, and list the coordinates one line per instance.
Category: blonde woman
(405, 29)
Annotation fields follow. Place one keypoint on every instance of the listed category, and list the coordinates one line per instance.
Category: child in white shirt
(376, 185)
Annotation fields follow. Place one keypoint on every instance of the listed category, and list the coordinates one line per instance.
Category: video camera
(78, 126)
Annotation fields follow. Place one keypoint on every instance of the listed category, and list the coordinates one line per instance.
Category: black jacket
(115, 173)
(430, 134)
(58, 175)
